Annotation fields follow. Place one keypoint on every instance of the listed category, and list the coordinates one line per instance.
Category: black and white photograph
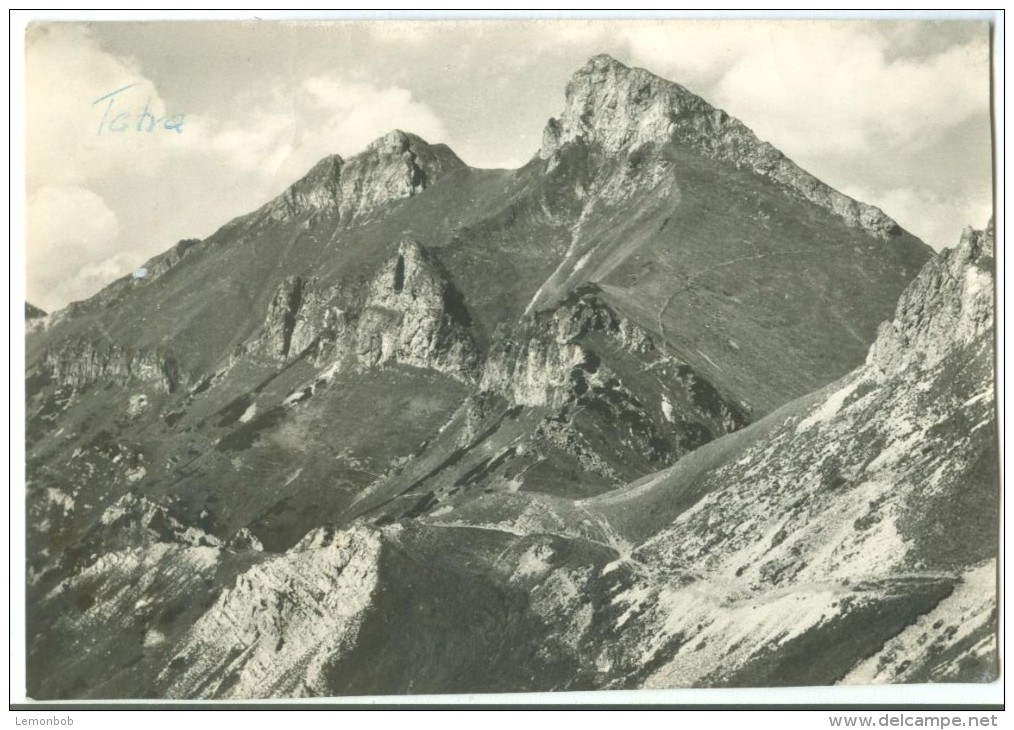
(482, 356)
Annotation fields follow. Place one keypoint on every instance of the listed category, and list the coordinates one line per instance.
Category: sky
(893, 113)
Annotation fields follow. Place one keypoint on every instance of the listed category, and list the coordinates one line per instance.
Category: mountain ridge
(320, 188)
(563, 427)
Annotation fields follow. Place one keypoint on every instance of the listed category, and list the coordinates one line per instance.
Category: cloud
(74, 237)
(693, 53)
(259, 143)
(299, 125)
(100, 203)
(354, 114)
(341, 116)
(66, 72)
(74, 245)
(800, 89)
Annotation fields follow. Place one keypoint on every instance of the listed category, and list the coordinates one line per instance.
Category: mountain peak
(395, 165)
(398, 144)
(601, 61)
(395, 141)
(603, 68)
(620, 109)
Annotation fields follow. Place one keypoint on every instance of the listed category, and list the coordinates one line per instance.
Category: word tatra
(118, 120)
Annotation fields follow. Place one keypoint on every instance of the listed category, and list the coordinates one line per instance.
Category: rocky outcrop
(137, 520)
(126, 602)
(874, 505)
(160, 265)
(954, 642)
(302, 319)
(398, 165)
(949, 303)
(551, 360)
(543, 362)
(414, 315)
(286, 620)
(82, 362)
(621, 109)
(318, 190)
(849, 537)
(318, 317)
(395, 166)
(280, 322)
(151, 270)
(409, 313)
(599, 373)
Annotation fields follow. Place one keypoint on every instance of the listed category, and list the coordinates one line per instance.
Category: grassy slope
(640, 509)
(281, 470)
(769, 296)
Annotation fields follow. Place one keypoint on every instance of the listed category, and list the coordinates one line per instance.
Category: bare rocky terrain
(658, 409)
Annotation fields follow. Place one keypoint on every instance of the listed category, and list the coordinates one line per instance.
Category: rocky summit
(658, 409)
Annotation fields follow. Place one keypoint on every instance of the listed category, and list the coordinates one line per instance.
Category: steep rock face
(559, 355)
(280, 323)
(83, 361)
(949, 303)
(318, 190)
(414, 315)
(244, 540)
(283, 623)
(398, 165)
(621, 109)
(318, 317)
(409, 313)
(954, 642)
(395, 166)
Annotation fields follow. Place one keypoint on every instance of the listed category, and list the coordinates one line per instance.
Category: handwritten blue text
(117, 119)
